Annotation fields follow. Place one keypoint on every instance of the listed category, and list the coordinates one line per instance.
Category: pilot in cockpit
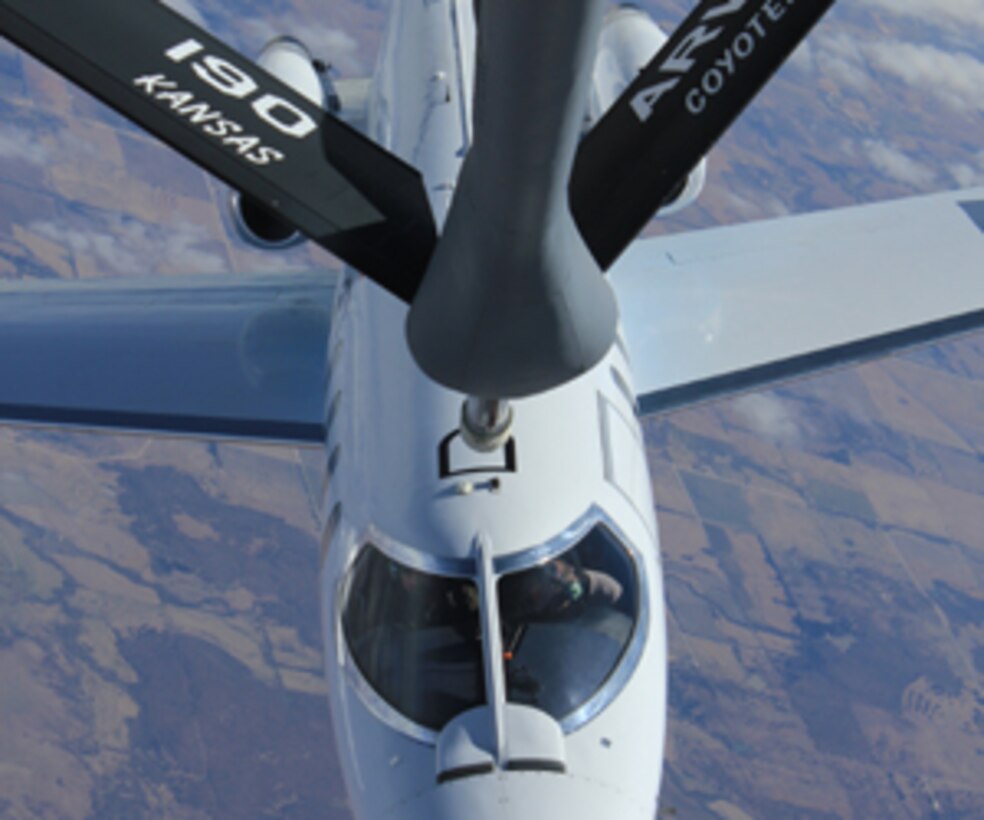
(555, 590)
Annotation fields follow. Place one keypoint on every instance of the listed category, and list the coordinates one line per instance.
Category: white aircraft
(493, 607)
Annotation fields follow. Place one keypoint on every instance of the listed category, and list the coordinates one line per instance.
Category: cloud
(186, 9)
(107, 249)
(21, 144)
(840, 57)
(49, 143)
(754, 205)
(768, 416)
(955, 78)
(899, 166)
(803, 57)
(933, 12)
(181, 251)
(132, 247)
(966, 176)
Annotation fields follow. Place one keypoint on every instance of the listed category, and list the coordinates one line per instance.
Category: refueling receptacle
(486, 424)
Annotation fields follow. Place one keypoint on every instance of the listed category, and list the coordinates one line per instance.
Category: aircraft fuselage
(456, 693)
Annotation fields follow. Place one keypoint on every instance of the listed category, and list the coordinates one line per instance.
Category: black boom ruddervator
(165, 73)
(510, 300)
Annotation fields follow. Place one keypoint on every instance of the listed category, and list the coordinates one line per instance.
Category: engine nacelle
(290, 62)
(629, 40)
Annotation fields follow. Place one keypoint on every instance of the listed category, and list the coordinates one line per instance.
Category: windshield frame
(629, 660)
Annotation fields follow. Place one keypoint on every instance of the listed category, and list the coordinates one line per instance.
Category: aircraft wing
(239, 357)
(719, 311)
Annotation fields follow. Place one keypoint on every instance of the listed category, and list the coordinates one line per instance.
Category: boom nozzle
(486, 424)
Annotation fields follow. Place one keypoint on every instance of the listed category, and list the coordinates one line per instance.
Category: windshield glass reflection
(415, 637)
(567, 622)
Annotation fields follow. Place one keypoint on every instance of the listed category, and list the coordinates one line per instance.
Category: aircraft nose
(522, 796)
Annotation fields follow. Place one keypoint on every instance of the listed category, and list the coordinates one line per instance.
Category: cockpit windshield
(567, 622)
(416, 638)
